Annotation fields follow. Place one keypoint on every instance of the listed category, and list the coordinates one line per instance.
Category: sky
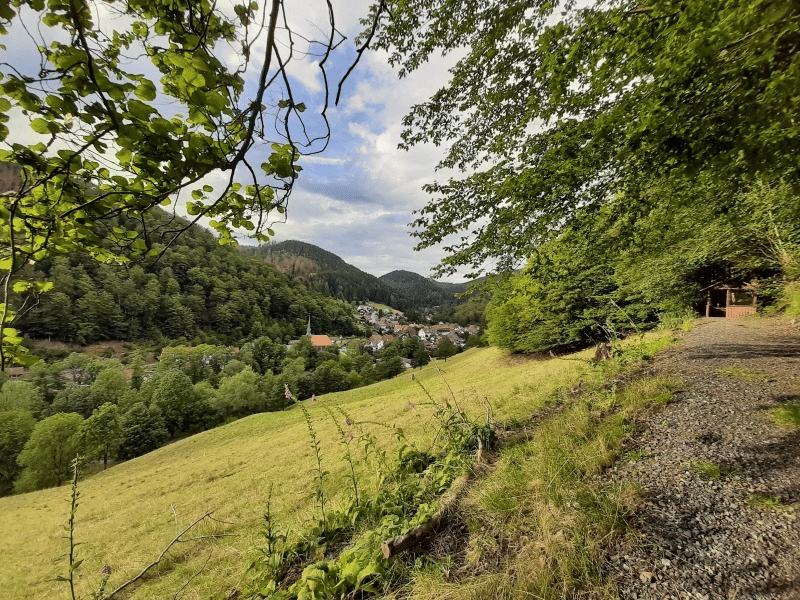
(357, 198)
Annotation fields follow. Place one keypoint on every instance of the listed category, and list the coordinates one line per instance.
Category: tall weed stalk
(320, 473)
(345, 439)
(74, 564)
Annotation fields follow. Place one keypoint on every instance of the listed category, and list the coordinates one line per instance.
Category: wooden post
(708, 302)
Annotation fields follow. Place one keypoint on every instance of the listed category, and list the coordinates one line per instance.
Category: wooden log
(419, 534)
(413, 538)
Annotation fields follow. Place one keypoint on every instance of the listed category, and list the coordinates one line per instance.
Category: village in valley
(389, 325)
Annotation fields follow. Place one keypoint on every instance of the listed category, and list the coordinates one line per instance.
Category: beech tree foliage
(49, 451)
(125, 106)
(556, 106)
(605, 275)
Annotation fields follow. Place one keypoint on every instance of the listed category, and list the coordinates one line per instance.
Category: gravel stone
(703, 537)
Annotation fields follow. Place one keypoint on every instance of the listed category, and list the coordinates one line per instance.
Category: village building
(16, 372)
(319, 341)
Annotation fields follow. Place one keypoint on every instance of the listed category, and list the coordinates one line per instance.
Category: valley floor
(719, 478)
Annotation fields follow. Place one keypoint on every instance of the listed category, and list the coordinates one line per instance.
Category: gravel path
(699, 535)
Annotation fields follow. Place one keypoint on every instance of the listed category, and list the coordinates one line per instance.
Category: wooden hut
(731, 301)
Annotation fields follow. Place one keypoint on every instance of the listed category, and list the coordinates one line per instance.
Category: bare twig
(175, 540)
(188, 581)
(361, 50)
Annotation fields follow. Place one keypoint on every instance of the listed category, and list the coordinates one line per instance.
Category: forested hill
(423, 292)
(328, 273)
(197, 290)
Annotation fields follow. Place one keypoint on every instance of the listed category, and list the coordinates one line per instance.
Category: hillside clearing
(603, 485)
(126, 513)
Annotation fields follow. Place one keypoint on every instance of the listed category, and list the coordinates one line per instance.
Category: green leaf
(192, 77)
(216, 101)
(40, 125)
(146, 91)
(26, 360)
(124, 156)
(140, 110)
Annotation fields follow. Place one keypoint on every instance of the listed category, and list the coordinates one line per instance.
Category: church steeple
(308, 329)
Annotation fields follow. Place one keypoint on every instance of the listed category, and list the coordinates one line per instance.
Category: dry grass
(125, 516)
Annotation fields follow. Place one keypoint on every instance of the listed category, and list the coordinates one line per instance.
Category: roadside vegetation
(788, 414)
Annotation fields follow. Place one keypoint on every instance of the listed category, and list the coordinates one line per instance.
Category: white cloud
(307, 72)
(323, 160)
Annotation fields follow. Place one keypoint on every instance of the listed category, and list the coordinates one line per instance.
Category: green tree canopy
(109, 124)
(17, 395)
(557, 105)
(101, 433)
(142, 431)
(109, 386)
(48, 454)
(445, 349)
(245, 393)
(174, 396)
(15, 430)
(75, 398)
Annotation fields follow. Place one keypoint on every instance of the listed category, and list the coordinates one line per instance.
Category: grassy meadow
(127, 514)
(125, 517)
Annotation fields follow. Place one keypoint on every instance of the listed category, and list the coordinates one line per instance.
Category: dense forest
(419, 292)
(195, 290)
(607, 274)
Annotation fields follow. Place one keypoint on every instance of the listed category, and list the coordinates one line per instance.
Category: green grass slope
(127, 513)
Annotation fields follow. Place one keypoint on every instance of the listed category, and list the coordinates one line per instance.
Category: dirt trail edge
(709, 464)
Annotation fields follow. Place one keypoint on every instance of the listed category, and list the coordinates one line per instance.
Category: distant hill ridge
(422, 291)
(325, 272)
(330, 274)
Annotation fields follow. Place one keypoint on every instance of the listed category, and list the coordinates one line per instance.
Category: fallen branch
(175, 540)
